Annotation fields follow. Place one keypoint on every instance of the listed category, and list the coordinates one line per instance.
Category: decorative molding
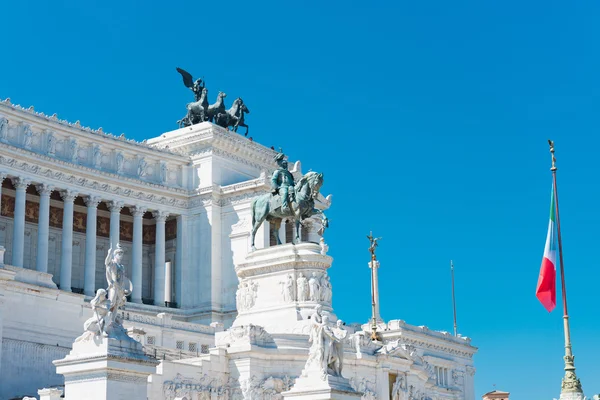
(45, 173)
(76, 126)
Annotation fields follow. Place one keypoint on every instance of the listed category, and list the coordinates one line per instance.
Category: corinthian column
(159, 258)
(136, 272)
(43, 226)
(20, 185)
(66, 254)
(115, 220)
(89, 271)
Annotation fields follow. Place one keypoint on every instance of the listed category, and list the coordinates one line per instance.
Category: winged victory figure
(197, 110)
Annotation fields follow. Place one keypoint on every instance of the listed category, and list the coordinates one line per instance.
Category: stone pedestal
(314, 388)
(275, 289)
(50, 394)
(101, 368)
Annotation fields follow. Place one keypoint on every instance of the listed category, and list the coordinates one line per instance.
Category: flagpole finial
(551, 143)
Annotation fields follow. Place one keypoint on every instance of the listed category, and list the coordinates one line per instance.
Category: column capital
(138, 211)
(44, 189)
(160, 215)
(3, 176)
(68, 196)
(115, 206)
(20, 183)
(92, 201)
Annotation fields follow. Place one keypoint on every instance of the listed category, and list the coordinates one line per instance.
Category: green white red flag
(546, 286)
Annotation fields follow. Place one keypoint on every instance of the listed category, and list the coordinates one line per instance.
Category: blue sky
(429, 120)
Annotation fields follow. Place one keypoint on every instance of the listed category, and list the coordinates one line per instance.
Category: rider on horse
(282, 182)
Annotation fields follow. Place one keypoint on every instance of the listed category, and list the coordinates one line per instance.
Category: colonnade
(66, 258)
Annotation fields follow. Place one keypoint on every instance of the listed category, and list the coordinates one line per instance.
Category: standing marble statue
(120, 162)
(142, 164)
(107, 302)
(399, 388)
(74, 148)
(28, 137)
(97, 156)
(314, 287)
(3, 129)
(289, 289)
(51, 144)
(326, 289)
(302, 287)
(326, 353)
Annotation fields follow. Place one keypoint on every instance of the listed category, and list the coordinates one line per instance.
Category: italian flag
(546, 286)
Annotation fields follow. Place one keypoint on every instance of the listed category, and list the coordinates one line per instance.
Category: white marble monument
(207, 318)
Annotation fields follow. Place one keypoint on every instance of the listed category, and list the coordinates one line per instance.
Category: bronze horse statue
(234, 117)
(196, 111)
(268, 206)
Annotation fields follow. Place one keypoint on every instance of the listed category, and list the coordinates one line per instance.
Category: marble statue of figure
(119, 286)
(335, 361)
(163, 172)
(97, 156)
(97, 323)
(289, 287)
(141, 170)
(314, 287)
(302, 287)
(74, 149)
(3, 129)
(51, 144)
(326, 353)
(120, 162)
(399, 388)
(326, 289)
(28, 138)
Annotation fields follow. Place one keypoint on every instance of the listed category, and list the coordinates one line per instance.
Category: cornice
(75, 128)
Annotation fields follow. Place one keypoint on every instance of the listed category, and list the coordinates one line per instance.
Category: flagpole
(571, 386)
(453, 298)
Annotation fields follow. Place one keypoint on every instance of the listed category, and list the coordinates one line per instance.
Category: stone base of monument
(106, 368)
(572, 396)
(315, 388)
(275, 286)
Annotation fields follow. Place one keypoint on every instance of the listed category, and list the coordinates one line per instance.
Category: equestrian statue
(200, 111)
(287, 199)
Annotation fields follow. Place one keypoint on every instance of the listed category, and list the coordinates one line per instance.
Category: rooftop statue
(107, 302)
(200, 111)
(287, 199)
